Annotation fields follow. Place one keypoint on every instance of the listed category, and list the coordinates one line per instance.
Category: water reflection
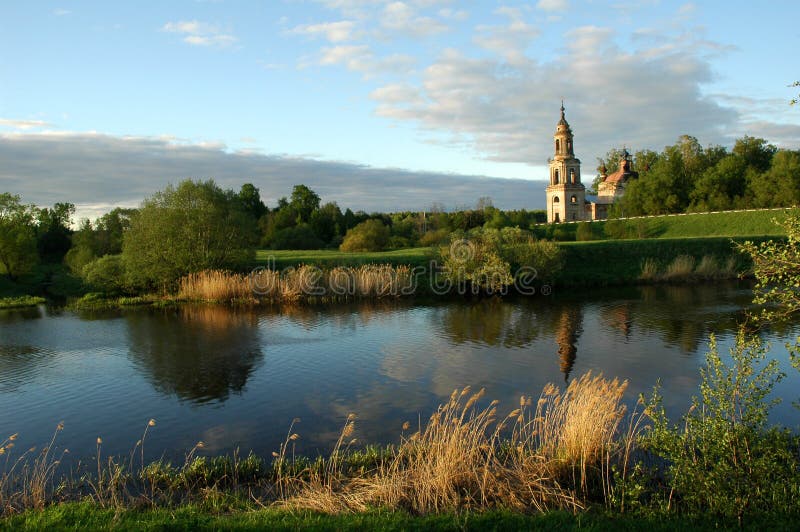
(198, 353)
(567, 333)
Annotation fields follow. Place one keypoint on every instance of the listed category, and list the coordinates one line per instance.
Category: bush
(298, 237)
(585, 231)
(722, 458)
(370, 235)
(106, 274)
(434, 238)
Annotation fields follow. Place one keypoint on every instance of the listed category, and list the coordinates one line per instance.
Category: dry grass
(301, 283)
(28, 480)
(684, 267)
(466, 457)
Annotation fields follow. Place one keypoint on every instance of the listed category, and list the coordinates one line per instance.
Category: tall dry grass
(685, 267)
(537, 457)
(294, 284)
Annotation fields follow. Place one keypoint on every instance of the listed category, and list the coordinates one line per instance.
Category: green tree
(722, 186)
(780, 185)
(250, 197)
(53, 232)
(184, 229)
(18, 253)
(304, 201)
(370, 235)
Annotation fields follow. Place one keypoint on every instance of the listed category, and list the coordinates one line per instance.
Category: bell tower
(566, 195)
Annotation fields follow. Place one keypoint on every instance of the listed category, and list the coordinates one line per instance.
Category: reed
(467, 457)
(296, 284)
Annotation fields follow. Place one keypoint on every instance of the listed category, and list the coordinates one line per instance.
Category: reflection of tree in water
(684, 315)
(492, 322)
(619, 318)
(199, 353)
(568, 330)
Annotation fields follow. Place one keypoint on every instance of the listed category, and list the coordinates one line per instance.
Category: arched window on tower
(558, 146)
(555, 176)
(572, 175)
(573, 199)
(569, 146)
(556, 200)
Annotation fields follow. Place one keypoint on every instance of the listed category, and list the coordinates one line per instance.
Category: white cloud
(552, 5)
(359, 58)
(402, 18)
(98, 172)
(23, 124)
(506, 111)
(199, 33)
(507, 41)
(332, 31)
(61, 12)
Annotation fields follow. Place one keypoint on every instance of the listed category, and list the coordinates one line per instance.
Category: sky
(377, 105)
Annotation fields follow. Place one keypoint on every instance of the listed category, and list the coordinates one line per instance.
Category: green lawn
(329, 257)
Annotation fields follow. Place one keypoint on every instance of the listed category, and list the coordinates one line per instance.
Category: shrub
(106, 274)
(370, 235)
(585, 231)
(434, 238)
(723, 458)
(298, 237)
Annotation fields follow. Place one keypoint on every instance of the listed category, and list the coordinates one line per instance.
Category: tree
(53, 232)
(721, 186)
(184, 229)
(757, 153)
(370, 235)
(250, 198)
(304, 201)
(18, 254)
(780, 185)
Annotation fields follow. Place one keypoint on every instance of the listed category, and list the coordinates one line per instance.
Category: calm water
(237, 378)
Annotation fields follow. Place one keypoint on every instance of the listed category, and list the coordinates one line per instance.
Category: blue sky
(378, 105)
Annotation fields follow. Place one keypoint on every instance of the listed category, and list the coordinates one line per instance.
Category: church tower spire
(566, 195)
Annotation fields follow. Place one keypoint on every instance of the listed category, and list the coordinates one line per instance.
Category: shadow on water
(200, 354)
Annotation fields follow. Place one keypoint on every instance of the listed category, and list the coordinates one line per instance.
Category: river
(236, 378)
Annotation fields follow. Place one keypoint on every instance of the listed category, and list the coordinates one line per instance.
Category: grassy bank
(21, 302)
(610, 262)
(88, 516)
(691, 225)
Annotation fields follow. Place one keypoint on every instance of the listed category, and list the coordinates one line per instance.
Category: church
(567, 200)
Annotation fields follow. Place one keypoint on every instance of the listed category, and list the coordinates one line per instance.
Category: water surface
(235, 378)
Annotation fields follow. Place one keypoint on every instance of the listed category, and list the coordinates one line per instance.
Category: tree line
(685, 177)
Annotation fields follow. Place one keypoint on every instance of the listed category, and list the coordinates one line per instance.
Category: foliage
(490, 259)
(687, 177)
(53, 231)
(371, 235)
(104, 237)
(296, 237)
(18, 253)
(723, 458)
(776, 266)
(106, 274)
(185, 229)
(21, 301)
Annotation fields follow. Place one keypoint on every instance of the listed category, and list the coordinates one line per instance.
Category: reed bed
(535, 458)
(300, 283)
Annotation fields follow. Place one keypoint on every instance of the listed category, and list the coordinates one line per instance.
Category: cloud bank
(98, 172)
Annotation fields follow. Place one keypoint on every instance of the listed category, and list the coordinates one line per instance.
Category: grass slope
(730, 224)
